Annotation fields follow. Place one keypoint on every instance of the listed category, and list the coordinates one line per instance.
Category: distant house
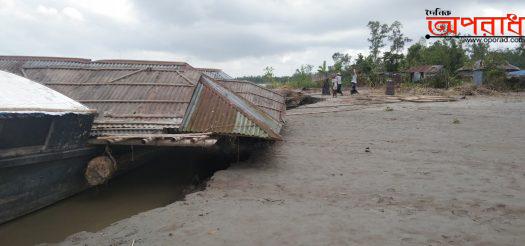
(425, 71)
(476, 70)
(517, 76)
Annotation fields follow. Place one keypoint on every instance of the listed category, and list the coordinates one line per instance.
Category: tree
(515, 57)
(449, 53)
(341, 61)
(305, 69)
(323, 68)
(366, 66)
(378, 33)
(457, 54)
(268, 75)
(363, 64)
(478, 51)
(392, 61)
(302, 78)
(414, 54)
(397, 38)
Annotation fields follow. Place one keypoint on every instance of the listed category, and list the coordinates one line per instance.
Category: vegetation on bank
(386, 57)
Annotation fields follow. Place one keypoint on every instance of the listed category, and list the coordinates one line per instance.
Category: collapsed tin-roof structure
(153, 98)
(215, 73)
(215, 108)
(269, 101)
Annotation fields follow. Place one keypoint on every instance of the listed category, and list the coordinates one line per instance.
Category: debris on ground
(296, 98)
(428, 99)
(473, 90)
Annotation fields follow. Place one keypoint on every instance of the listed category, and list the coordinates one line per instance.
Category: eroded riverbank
(412, 175)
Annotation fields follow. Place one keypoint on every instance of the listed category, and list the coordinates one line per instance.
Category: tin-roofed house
(419, 73)
(43, 152)
(476, 70)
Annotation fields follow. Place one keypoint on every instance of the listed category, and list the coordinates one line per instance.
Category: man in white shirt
(339, 83)
(335, 86)
(354, 84)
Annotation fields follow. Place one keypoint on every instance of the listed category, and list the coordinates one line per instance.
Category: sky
(239, 36)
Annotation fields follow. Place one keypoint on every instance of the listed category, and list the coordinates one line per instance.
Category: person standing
(354, 84)
(339, 83)
(326, 84)
(334, 86)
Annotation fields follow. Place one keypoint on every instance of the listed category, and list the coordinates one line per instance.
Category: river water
(162, 181)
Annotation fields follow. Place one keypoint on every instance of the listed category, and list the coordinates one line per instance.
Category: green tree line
(387, 55)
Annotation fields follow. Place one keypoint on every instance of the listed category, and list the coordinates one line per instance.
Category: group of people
(337, 84)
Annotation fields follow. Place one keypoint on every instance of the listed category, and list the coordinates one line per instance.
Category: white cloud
(118, 10)
(46, 10)
(73, 13)
(240, 36)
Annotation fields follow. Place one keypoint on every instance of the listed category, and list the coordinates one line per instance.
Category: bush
(495, 79)
(274, 85)
(302, 83)
(441, 81)
(470, 89)
(436, 81)
(517, 84)
(455, 81)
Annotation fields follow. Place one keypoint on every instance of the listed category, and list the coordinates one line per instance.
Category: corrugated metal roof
(271, 102)
(425, 69)
(518, 73)
(215, 73)
(480, 65)
(214, 108)
(141, 97)
(45, 58)
(509, 67)
(143, 64)
(146, 99)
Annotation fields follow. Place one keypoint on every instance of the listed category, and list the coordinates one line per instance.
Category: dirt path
(409, 176)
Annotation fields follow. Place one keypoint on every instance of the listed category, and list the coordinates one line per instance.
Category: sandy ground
(362, 176)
